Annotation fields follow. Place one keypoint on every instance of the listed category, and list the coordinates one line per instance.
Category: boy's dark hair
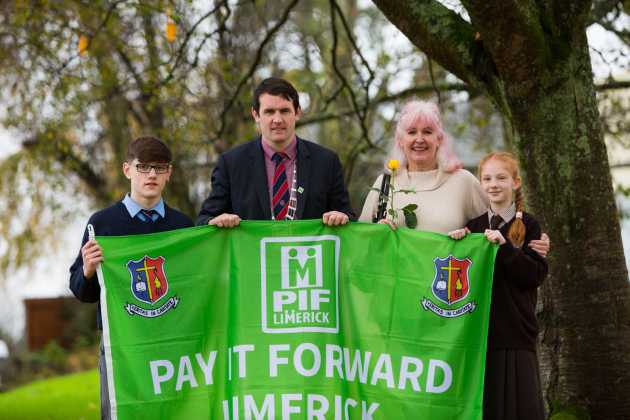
(149, 149)
(277, 87)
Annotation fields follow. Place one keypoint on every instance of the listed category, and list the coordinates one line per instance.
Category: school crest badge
(149, 285)
(451, 284)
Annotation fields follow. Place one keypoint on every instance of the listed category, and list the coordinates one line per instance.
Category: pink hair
(425, 113)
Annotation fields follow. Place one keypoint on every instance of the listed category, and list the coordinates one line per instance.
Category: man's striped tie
(280, 199)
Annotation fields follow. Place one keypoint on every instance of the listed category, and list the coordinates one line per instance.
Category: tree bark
(585, 352)
(532, 60)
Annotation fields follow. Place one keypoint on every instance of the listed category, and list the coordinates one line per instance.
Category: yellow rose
(393, 164)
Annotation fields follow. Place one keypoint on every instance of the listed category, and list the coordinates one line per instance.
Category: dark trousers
(102, 371)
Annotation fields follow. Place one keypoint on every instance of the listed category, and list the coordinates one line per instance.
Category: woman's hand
(541, 246)
(388, 222)
(494, 236)
(459, 233)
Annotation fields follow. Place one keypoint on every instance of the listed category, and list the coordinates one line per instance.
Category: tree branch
(613, 85)
(443, 35)
(257, 59)
(361, 113)
(181, 51)
(368, 83)
(512, 33)
(440, 33)
(416, 90)
(65, 155)
(572, 16)
(601, 8)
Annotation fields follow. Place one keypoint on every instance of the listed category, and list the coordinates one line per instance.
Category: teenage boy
(278, 175)
(148, 168)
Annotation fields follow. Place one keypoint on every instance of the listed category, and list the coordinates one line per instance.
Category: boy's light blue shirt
(134, 209)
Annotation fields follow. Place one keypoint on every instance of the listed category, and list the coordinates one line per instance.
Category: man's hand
(92, 255)
(335, 218)
(225, 220)
(541, 246)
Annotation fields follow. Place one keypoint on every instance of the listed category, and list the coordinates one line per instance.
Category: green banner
(296, 320)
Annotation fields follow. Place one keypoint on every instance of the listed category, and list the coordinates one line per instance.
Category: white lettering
(267, 410)
(357, 365)
(155, 365)
(367, 412)
(383, 370)
(275, 360)
(242, 358)
(448, 376)
(281, 298)
(207, 367)
(302, 300)
(185, 374)
(287, 408)
(333, 360)
(349, 402)
(319, 296)
(407, 374)
(316, 413)
(298, 362)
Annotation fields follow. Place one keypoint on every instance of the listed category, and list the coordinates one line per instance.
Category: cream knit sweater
(446, 201)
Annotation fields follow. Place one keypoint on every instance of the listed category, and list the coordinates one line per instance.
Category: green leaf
(411, 220)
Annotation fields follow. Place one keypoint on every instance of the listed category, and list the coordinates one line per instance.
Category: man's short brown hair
(276, 86)
(149, 149)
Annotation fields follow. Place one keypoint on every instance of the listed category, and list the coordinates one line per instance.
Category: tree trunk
(532, 59)
(585, 337)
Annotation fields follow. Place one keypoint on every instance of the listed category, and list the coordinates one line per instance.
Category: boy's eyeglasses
(145, 168)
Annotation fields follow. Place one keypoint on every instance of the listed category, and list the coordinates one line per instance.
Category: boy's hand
(459, 233)
(226, 220)
(92, 255)
(494, 236)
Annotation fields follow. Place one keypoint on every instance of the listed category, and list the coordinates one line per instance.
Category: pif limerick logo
(299, 283)
(451, 284)
(149, 285)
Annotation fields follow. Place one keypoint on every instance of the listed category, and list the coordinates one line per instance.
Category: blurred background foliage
(79, 79)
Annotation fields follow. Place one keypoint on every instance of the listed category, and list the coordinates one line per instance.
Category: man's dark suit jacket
(239, 184)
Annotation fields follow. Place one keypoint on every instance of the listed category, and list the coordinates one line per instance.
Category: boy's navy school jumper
(114, 221)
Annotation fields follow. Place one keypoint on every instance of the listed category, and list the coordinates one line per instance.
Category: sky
(48, 277)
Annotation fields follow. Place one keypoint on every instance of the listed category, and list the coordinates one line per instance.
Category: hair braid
(516, 234)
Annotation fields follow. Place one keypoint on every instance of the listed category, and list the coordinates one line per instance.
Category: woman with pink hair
(430, 175)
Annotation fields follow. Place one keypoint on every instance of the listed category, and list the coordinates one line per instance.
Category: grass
(69, 397)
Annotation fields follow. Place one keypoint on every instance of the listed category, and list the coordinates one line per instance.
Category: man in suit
(278, 175)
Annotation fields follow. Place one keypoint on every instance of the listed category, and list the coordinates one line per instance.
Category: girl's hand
(459, 233)
(494, 236)
(388, 222)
